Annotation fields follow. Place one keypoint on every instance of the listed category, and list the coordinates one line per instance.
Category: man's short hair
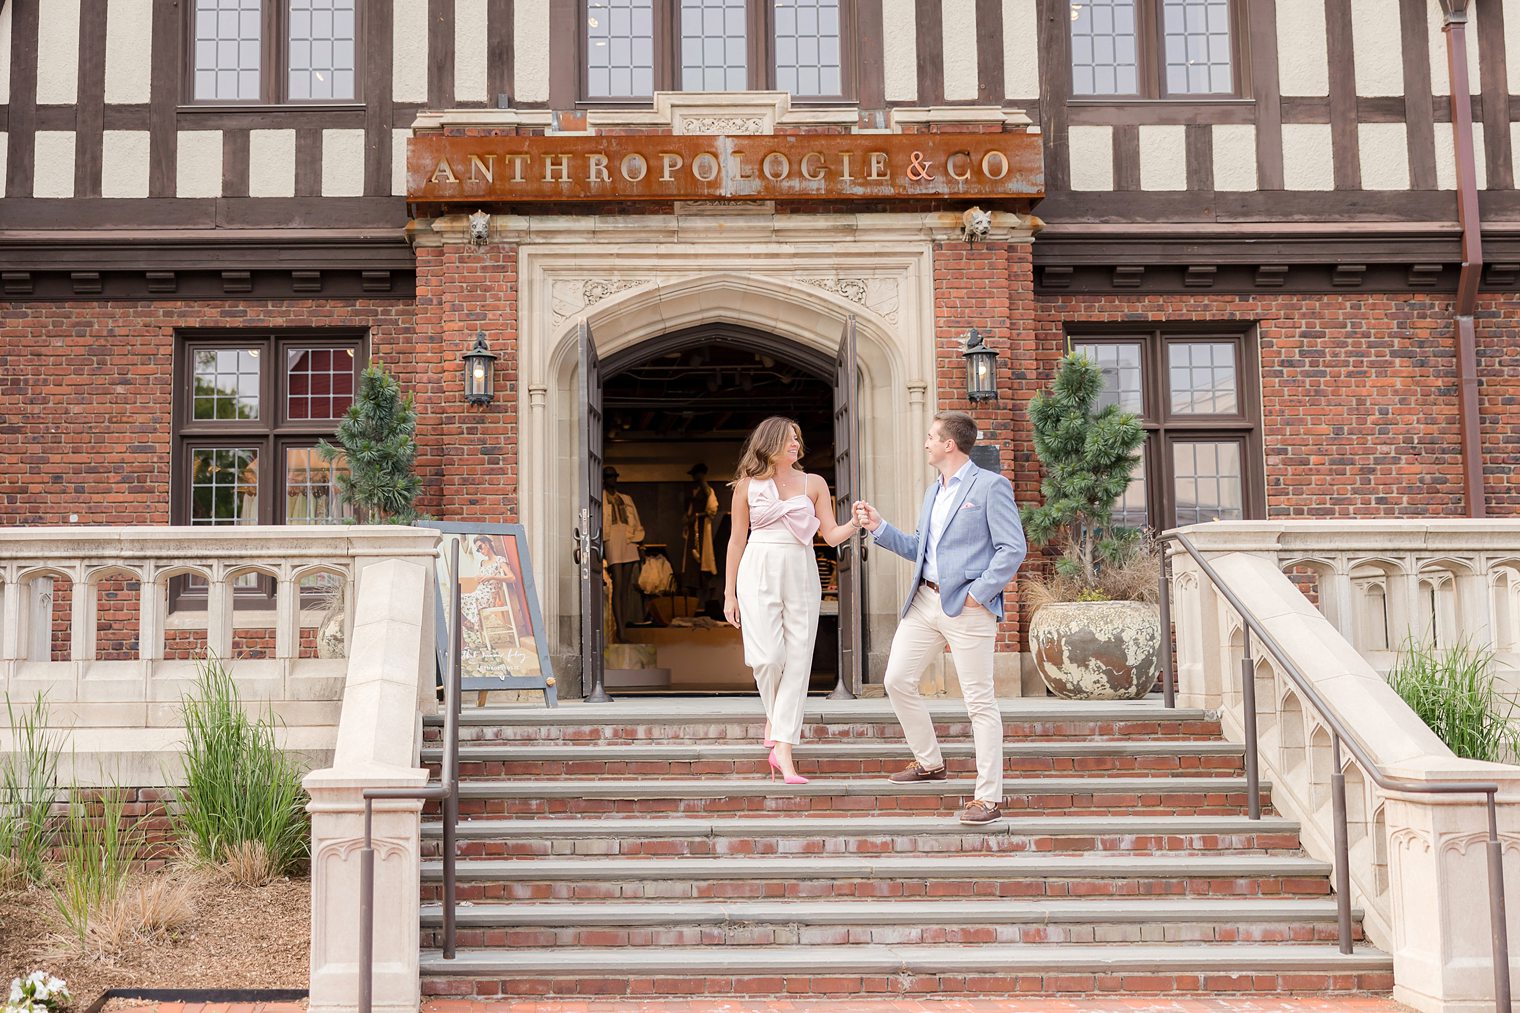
(960, 427)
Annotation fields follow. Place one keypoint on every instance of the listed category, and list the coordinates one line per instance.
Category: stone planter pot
(1099, 650)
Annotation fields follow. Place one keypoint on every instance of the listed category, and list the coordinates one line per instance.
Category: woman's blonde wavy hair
(765, 444)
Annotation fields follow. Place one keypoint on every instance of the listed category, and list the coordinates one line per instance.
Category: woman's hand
(731, 610)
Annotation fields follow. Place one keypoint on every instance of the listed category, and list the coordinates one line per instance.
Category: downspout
(1470, 219)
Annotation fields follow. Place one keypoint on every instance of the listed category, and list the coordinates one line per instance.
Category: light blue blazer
(980, 549)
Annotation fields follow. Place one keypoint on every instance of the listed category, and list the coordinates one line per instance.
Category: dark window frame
(272, 433)
(1164, 428)
(760, 54)
(274, 62)
(1150, 60)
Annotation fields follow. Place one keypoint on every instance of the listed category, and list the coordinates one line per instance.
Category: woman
(771, 589)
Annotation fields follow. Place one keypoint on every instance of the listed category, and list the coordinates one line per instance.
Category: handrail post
(1164, 602)
(367, 910)
(1248, 702)
(450, 772)
(1342, 845)
(1496, 912)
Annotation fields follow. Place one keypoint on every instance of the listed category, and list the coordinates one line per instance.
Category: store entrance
(674, 416)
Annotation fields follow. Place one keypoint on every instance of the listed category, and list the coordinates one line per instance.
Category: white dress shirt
(939, 518)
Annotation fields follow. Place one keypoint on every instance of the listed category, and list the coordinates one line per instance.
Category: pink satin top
(794, 515)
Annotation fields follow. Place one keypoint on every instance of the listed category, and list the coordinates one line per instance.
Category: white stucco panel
(958, 29)
(1307, 160)
(57, 52)
(398, 162)
(1511, 49)
(530, 52)
(409, 49)
(1440, 79)
(53, 164)
(198, 172)
(1446, 156)
(1234, 156)
(5, 52)
(470, 37)
(1377, 47)
(1163, 157)
(1303, 62)
(129, 51)
(900, 49)
(271, 163)
(124, 163)
(1021, 49)
(1092, 157)
(1384, 151)
(5, 146)
(343, 163)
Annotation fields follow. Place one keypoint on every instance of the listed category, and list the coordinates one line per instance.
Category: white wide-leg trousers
(971, 636)
(779, 595)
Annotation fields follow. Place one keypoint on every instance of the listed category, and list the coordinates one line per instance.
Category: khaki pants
(971, 636)
(779, 595)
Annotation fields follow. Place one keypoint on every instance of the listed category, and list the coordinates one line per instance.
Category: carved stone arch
(1291, 735)
(111, 630)
(1455, 565)
(1321, 764)
(163, 574)
(723, 335)
(232, 573)
(1378, 831)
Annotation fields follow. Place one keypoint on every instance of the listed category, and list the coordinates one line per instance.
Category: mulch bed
(238, 937)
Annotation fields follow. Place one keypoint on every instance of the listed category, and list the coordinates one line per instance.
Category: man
(621, 535)
(968, 545)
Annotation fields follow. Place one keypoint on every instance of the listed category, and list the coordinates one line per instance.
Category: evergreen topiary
(1088, 457)
(378, 439)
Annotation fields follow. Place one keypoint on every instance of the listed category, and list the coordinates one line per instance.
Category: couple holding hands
(965, 550)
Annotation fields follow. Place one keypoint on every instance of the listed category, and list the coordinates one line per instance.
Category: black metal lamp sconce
(981, 368)
(479, 373)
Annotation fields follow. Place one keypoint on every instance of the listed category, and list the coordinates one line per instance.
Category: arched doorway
(662, 429)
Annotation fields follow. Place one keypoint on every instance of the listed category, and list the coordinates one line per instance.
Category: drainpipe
(1469, 218)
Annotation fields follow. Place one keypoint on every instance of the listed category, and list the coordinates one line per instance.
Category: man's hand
(866, 515)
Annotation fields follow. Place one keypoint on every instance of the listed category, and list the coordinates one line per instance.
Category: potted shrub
(1094, 630)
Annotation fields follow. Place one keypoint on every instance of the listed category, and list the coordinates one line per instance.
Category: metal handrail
(1338, 733)
(446, 791)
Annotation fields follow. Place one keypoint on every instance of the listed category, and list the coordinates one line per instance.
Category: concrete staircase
(638, 849)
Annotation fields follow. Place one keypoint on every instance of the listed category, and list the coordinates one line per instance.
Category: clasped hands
(865, 516)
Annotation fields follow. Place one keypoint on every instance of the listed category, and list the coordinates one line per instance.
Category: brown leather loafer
(981, 812)
(917, 772)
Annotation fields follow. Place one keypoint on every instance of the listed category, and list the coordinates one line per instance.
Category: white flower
(16, 995)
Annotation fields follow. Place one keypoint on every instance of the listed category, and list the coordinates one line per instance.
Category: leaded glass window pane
(311, 488)
(1196, 35)
(714, 45)
(808, 47)
(225, 384)
(1103, 48)
(224, 485)
(1207, 481)
(1201, 378)
(321, 49)
(319, 383)
(620, 48)
(227, 49)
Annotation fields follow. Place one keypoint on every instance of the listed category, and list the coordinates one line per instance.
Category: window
(1195, 395)
(248, 412)
(634, 48)
(1155, 48)
(271, 51)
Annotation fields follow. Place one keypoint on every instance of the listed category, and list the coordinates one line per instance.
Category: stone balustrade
(109, 624)
(1339, 597)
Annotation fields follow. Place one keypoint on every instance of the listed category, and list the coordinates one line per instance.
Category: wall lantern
(981, 368)
(479, 373)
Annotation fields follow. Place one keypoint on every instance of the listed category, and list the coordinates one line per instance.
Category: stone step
(1137, 969)
(887, 922)
(1075, 796)
(1058, 758)
(761, 835)
(896, 876)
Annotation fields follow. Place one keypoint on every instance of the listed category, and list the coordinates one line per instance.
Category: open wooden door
(847, 490)
(588, 529)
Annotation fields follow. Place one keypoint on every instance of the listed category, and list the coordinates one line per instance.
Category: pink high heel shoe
(788, 778)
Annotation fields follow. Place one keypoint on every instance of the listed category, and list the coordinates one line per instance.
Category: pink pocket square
(968, 505)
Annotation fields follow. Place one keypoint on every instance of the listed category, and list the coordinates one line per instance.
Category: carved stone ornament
(480, 228)
(723, 125)
(879, 295)
(569, 296)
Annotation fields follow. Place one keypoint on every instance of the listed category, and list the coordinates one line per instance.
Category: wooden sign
(531, 168)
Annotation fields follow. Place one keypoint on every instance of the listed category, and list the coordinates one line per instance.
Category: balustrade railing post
(1496, 912)
(1248, 704)
(1342, 845)
(367, 911)
(1164, 602)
